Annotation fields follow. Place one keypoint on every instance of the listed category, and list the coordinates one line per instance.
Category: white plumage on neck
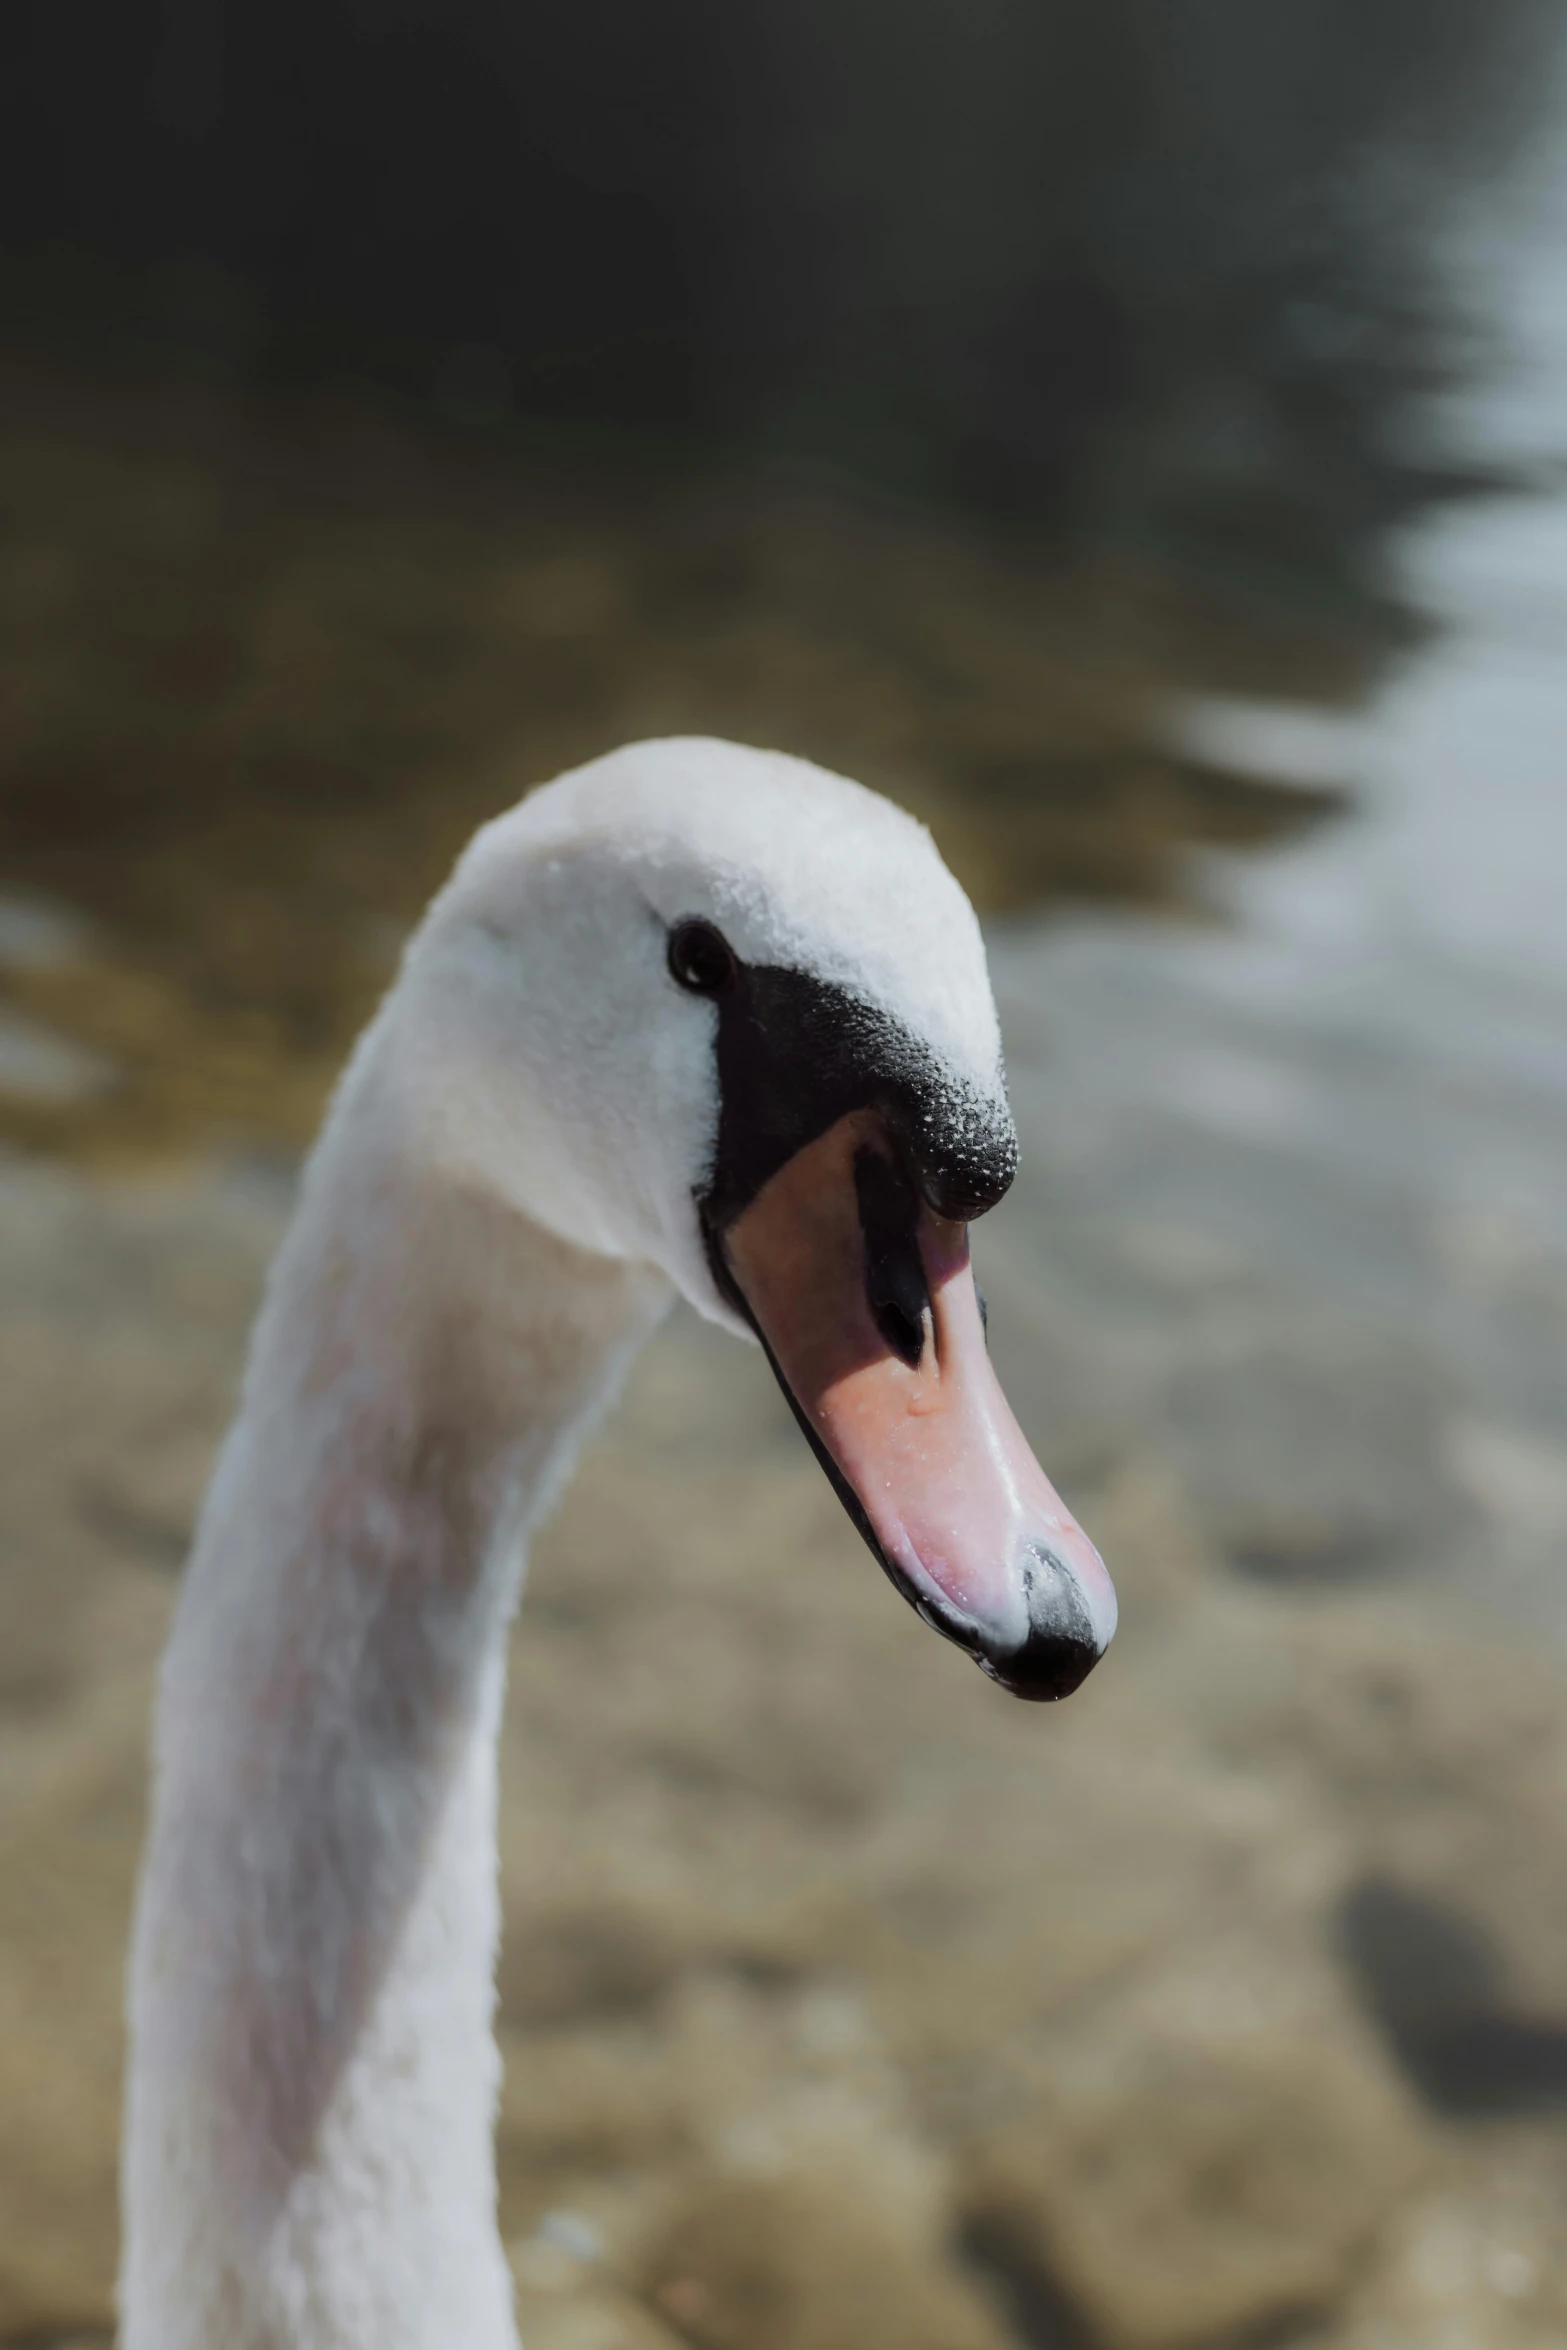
(309, 2138)
(502, 1200)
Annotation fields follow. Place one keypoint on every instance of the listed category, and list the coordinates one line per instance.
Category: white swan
(693, 1018)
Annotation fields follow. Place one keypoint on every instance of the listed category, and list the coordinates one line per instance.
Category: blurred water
(1343, 1106)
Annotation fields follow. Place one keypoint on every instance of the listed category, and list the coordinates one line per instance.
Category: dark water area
(269, 660)
(402, 402)
(1084, 264)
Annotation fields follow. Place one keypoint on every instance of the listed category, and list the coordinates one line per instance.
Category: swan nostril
(903, 1333)
(895, 1286)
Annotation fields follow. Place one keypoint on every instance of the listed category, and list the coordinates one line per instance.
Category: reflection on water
(1402, 977)
(1356, 1087)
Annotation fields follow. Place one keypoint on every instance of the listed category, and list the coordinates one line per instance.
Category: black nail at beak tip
(1061, 1649)
(1045, 1669)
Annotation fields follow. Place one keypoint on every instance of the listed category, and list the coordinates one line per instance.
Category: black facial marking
(797, 1053)
(895, 1283)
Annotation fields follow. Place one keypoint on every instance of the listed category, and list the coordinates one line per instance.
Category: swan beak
(865, 1301)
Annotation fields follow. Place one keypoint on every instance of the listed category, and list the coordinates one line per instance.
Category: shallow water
(1363, 1067)
(845, 2006)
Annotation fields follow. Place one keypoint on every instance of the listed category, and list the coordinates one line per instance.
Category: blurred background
(1132, 436)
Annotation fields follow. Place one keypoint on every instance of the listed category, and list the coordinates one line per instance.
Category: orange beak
(865, 1301)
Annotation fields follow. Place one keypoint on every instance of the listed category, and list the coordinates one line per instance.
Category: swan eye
(701, 958)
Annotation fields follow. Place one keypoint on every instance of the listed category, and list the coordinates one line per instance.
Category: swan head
(716, 1009)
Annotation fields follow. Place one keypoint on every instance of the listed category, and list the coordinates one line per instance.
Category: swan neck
(308, 2153)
